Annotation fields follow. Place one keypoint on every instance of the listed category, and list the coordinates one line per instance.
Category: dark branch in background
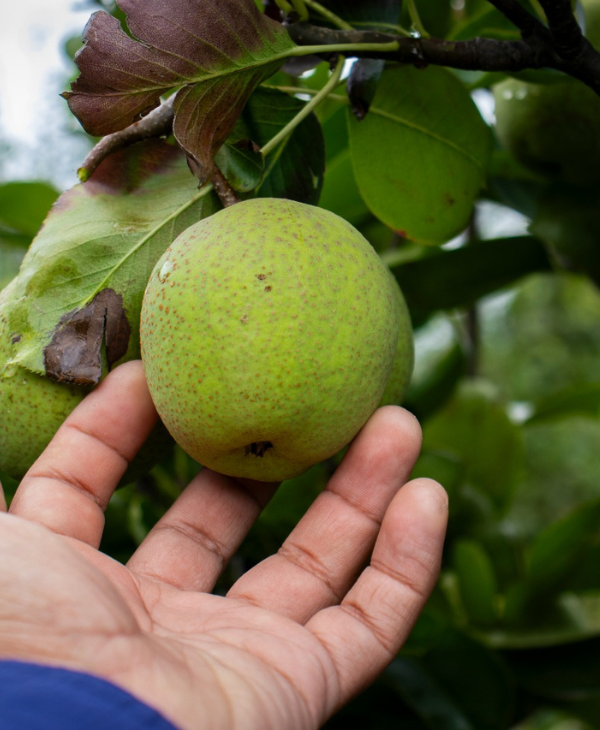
(519, 17)
(568, 39)
(536, 50)
(156, 124)
(478, 54)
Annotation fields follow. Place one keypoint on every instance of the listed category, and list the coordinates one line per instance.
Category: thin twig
(306, 109)
(156, 124)
(223, 189)
(415, 19)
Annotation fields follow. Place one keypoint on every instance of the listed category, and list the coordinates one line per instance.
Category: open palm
(295, 638)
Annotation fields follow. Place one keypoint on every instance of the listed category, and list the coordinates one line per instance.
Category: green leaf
(486, 21)
(335, 128)
(474, 426)
(435, 376)
(475, 678)
(435, 16)
(514, 185)
(295, 169)
(362, 14)
(24, 205)
(429, 629)
(569, 672)
(582, 399)
(534, 636)
(445, 468)
(550, 340)
(459, 277)
(561, 473)
(422, 693)
(242, 164)
(10, 260)
(421, 154)
(105, 233)
(557, 549)
(552, 720)
(11, 239)
(476, 581)
(539, 601)
(340, 192)
(214, 53)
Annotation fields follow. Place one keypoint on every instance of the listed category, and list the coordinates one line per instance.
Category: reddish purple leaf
(217, 52)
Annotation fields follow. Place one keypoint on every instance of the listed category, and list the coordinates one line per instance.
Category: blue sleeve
(35, 697)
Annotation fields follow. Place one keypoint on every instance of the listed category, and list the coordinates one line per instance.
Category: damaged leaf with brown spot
(82, 337)
(102, 236)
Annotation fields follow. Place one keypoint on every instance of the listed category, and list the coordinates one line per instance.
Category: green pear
(33, 407)
(554, 129)
(404, 361)
(269, 332)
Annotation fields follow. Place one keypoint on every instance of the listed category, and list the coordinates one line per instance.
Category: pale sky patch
(34, 69)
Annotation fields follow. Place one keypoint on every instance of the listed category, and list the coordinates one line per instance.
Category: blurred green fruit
(554, 129)
(33, 407)
(269, 331)
(567, 220)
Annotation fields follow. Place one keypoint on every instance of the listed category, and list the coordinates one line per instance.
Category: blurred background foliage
(507, 387)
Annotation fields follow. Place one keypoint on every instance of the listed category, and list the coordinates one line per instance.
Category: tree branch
(568, 39)
(478, 54)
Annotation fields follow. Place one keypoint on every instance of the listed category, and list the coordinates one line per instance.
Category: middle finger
(332, 542)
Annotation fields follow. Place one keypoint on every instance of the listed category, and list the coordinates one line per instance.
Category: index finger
(68, 488)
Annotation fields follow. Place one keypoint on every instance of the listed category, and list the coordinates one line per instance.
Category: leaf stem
(535, 4)
(284, 6)
(416, 19)
(337, 48)
(304, 90)
(328, 15)
(398, 29)
(307, 109)
(301, 9)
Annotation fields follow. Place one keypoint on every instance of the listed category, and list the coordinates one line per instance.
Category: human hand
(295, 638)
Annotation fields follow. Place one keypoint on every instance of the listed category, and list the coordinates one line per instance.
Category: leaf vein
(427, 132)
